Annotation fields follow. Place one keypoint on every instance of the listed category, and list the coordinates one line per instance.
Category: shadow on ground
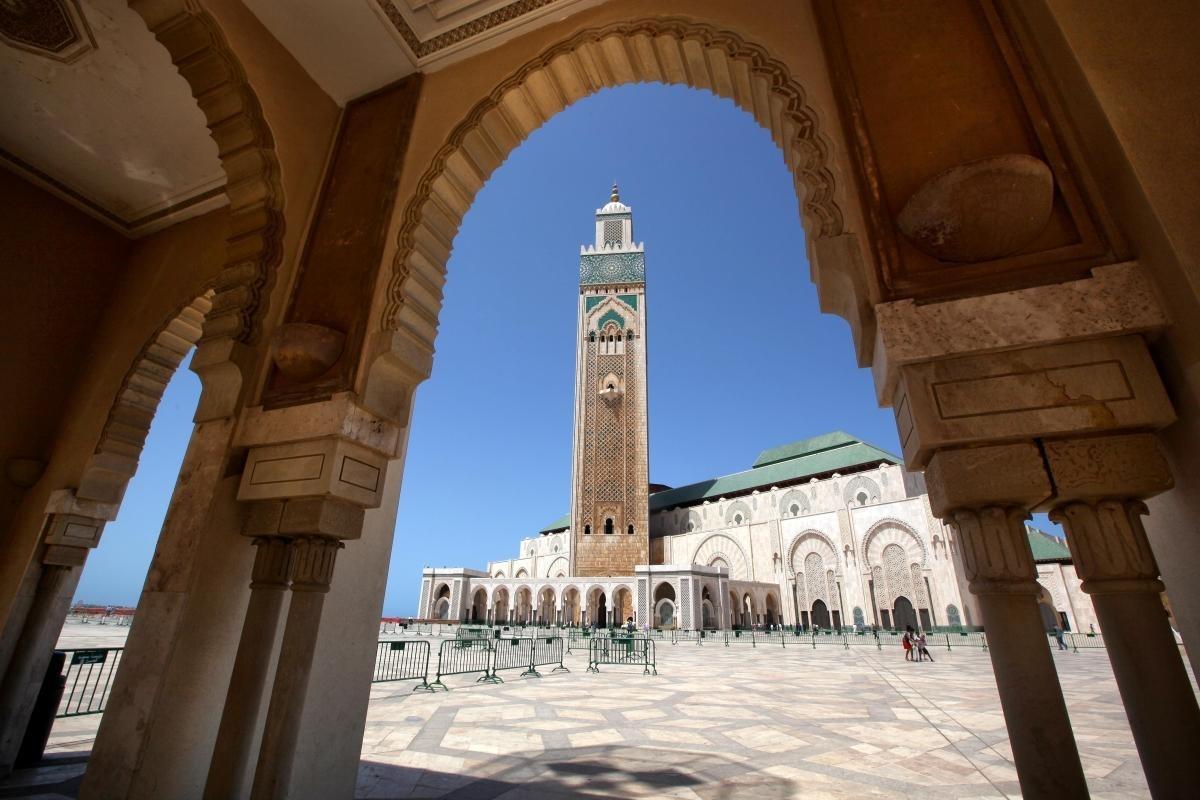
(624, 771)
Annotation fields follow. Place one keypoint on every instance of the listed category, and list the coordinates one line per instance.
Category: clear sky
(740, 358)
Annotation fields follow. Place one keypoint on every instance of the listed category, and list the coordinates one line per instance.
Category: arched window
(631, 530)
(587, 530)
(794, 510)
(608, 525)
(737, 519)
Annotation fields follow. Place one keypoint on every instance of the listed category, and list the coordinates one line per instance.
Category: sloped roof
(1046, 547)
(821, 455)
(560, 524)
(790, 463)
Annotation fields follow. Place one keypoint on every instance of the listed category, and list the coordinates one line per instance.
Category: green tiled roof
(1046, 547)
(790, 463)
(805, 447)
(562, 523)
(833, 452)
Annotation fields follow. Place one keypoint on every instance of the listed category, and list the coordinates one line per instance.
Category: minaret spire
(616, 194)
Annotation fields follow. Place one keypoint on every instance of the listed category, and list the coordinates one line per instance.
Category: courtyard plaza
(716, 722)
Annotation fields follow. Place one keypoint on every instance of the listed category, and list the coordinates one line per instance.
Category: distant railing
(89, 675)
(622, 651)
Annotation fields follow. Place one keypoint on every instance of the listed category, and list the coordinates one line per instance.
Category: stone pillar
(73, 528)
(984, 494)
(234, 748)
(313, 561)
(1100, 485)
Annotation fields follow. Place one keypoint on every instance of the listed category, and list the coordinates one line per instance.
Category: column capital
(272, 563)
(73, 523)
(1109, 545)
(995, 549)
(312, 560)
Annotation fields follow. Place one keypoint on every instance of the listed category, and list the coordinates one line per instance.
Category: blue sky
(740, 357)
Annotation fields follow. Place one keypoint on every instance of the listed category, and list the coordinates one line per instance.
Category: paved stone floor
(716, 722)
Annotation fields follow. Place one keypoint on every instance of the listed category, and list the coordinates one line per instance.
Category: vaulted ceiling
(94, 111)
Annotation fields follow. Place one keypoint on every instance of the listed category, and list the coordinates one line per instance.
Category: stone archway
(652, 50)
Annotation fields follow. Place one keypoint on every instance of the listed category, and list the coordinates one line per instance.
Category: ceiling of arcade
(95, 112)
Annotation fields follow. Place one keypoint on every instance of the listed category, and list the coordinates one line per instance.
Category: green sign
(89, 657)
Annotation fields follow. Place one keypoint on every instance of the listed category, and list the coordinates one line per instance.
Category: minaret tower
(610, 490)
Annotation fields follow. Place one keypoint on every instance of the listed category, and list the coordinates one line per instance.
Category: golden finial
(616, 193)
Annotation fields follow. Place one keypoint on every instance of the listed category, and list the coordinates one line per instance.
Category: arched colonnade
(326, 540)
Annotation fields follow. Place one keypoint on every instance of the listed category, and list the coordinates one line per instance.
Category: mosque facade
(828, 531)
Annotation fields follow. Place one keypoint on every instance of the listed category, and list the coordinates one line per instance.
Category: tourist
(1058, 637)
(630, 628)
(922, 650)
(907, 643)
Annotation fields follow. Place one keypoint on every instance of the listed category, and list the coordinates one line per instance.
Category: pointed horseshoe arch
(669, 50)
(721, 546)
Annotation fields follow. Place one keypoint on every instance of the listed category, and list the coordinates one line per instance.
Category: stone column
(73, 528)
(1100, 484)
(984, 494)
(313, 560)
(232, 754)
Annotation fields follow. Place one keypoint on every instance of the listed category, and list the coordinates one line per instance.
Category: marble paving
(735, 723)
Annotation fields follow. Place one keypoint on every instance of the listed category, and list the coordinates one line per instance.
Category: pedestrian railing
(547, 650)
(404, 660)
(89, 675)
(513, 654)
(698, 637)
(464, 657)
(622, 651)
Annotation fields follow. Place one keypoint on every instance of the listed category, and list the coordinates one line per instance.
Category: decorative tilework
(610, 316)
(612, 268)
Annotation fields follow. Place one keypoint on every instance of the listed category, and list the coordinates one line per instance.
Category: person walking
(906, 642)
(1058, 637)
(922, 649)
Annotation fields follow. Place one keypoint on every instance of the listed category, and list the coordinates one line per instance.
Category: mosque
(828, 531)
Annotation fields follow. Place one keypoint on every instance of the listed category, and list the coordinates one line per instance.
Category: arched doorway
(479, 605)
(441, 603)
(748, 611)
(570, 606)
(903, 614)
(772, 610)
(547, 612)
(622, 605)
(500, 610)
(820, 615)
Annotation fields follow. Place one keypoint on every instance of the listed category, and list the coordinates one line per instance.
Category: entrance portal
(820, 614)
(903, 614)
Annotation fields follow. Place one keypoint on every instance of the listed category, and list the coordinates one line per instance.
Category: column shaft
(1112, 555)
(313, 561)
(999, 566)
(234, 748)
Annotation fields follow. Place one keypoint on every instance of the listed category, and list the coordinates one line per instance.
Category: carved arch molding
(246, 149)
(670, 50)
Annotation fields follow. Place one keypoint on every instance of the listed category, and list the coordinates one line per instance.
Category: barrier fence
(403, 661)
(547, 650)
(513, 654)
(89, 675)
(622, 651)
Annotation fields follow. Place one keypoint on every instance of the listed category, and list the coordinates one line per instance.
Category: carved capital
(312, 561)
(995, 549)
(272, 563)
(1109, 545)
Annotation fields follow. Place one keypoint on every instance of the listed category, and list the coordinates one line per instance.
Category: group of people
(915, 648)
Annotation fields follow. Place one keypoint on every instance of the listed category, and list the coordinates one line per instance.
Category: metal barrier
(740, 637)
(512, 654)
(404, 660)
(89, 676)
(476, 632)
(547, 650)
(463, 657)
(623, 651)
